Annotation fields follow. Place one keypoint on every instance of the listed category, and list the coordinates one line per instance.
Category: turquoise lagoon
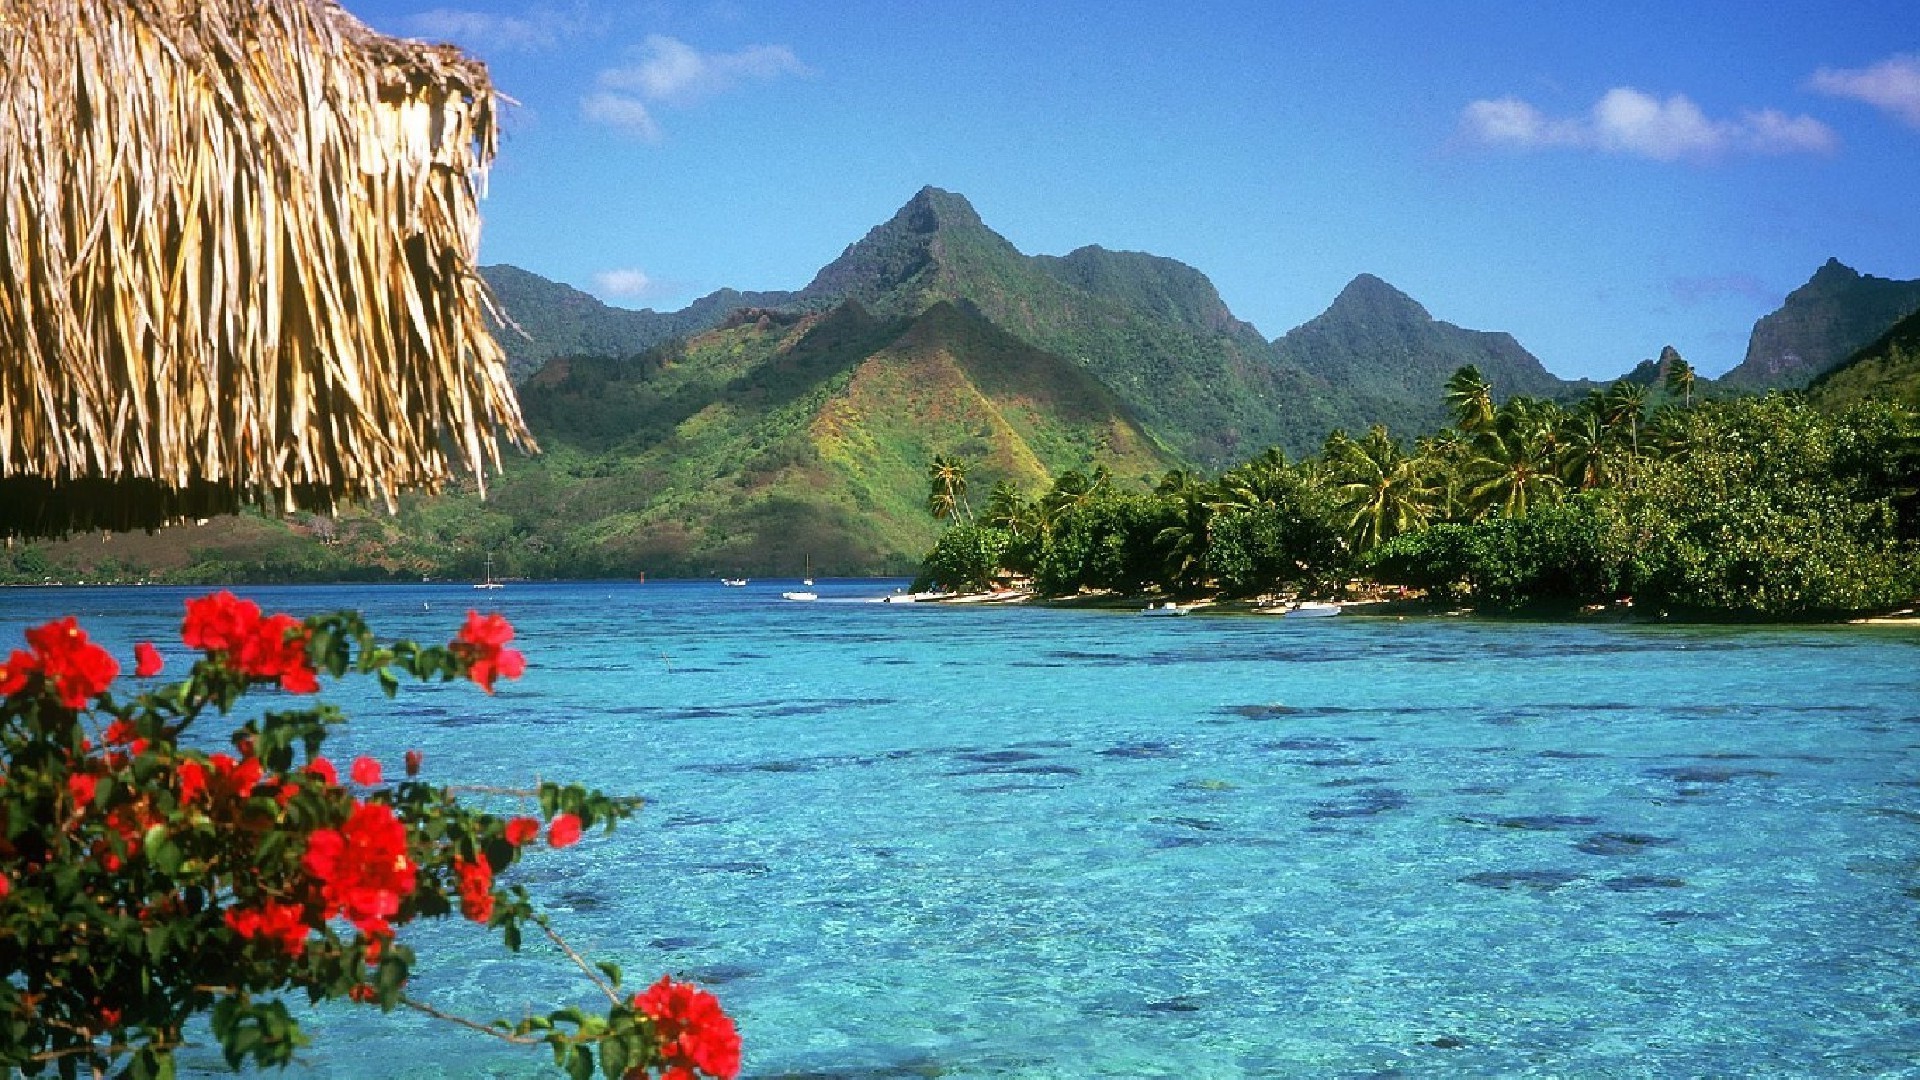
(916, 840)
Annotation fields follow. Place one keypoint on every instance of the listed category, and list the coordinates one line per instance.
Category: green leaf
(611, 970)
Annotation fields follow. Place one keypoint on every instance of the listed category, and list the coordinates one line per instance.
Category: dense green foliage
(1888, 369)
(1746, 508)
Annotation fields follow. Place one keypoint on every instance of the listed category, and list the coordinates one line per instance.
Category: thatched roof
(237, 247)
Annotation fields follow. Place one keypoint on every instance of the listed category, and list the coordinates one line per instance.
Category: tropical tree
(1513, 466)
(1679, 379)
(1385, 491)
(1470, 398)
(1625, 406)
(1444, 456)
(1588, 457)
(947, 489)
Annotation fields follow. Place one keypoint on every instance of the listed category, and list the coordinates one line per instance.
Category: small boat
(900, 598)
(1168, 609)
(800, 594)
(735, 582)
(1312, 609)
(489, 583)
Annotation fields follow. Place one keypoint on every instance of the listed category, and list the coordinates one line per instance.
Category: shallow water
(910, 840)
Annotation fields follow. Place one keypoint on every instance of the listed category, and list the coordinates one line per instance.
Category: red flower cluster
(269, 647)
(694, 1033)
(476, 888)
(362, 867)
(285, 923)
(74, 667)
(564, 831)
(482, 643)
(522, 829)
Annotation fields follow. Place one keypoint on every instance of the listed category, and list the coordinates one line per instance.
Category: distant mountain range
(772, 432)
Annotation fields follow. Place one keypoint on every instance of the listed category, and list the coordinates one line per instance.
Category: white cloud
(669, 72)
(675, 73)
(1892, 84)
(1629, 121)
(533, 32)
(628, 282)
(622, 113)
(1512, 122)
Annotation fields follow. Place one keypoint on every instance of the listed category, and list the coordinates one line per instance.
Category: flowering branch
(178, 882)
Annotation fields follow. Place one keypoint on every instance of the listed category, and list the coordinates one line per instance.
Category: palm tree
(1470, 397)
(1183, 544)
(1443, 457)
(947, 489)
(1587, 451)
(1007, 510)
(1626, 405)
(1513, 468)
(1679, 379)
(1386, 492)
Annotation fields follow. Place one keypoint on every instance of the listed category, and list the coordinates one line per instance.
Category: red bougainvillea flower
(285, 923)
(193, 781)
(5, 886)
(365, 772)
(278, 650)
(235, 779)
(81, 787)
(362, 867)
(15, 672)
(76, 668)
(414, 759)
(564, 832)
(482, 643)
(324, 769)
(476, 888)
(147, 660)
(219, 623)
(522, 829)
(694, 1033)
(274, 647)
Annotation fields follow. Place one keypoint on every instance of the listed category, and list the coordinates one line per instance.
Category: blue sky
(1598, 179)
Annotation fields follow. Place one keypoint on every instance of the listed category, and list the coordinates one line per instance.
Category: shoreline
(1417, 607)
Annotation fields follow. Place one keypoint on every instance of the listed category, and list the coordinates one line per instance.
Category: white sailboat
(488, 583)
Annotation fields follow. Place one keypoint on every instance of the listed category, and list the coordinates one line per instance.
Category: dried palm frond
(237, 248)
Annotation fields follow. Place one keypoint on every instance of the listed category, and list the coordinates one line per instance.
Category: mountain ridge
(1837, 312)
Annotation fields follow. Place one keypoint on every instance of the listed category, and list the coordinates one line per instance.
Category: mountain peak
(1838, 311)
(940, 209)
(1833, 271)
(901, 257)
(1368, 297)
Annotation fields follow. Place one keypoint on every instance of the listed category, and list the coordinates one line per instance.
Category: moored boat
(1312, 609)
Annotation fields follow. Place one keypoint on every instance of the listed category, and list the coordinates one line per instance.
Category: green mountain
(1889, 368)
(785, 439)
(548, 319)
(1835, 314)
(1153, 330)
(1389, 360)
